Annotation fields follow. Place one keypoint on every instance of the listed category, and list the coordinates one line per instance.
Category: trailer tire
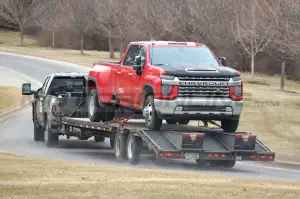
(51, 139)
(38, 132)
(120, 147)
(133, 152)
(152, 120)
(171, 121)
(99, 138)
(184, 122)
(228, 163)
(230, 125)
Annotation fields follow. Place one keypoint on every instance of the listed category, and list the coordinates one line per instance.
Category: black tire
(112, 143)
(202, 163)
(228, 163)
(38, 132)
(184, 122)
(171, 121)
(99, 138)
(51, 139)
(99, 112)
(133, 149)
(120, 147)
(152, 120)
(230, 125)
(94, 109)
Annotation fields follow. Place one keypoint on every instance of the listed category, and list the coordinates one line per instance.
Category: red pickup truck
(166, 80)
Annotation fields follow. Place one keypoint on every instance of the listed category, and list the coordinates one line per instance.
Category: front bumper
(200, 108)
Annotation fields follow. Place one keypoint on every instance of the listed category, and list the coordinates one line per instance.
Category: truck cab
(167, 80)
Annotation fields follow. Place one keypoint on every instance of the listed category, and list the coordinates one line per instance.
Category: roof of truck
(168, 43)
(67, 74)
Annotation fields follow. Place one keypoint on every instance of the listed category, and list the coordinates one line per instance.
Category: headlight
(237, 78)
(237, 91)
(166, 89)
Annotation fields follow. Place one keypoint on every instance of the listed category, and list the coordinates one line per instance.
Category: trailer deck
(175, 141)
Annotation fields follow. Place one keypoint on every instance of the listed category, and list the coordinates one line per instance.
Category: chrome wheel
(148, 110)
(130, 147)
(91, 105)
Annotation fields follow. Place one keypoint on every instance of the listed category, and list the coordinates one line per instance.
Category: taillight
(236, 92)
(53, 109)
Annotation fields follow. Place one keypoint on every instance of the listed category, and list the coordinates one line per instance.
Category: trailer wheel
(229, 125)
(38, 132)
(228, 163)
(51, 139)
(134, 145)
(184, 122)
(120, 147)
(171, 121)
(99, 138)
(152, 120)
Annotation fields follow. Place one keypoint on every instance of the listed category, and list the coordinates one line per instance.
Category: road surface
(16, 135)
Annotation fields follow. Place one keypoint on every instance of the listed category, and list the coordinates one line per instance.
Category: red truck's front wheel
(152, 120)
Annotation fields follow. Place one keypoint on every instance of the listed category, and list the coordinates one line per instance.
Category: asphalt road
(16, 134)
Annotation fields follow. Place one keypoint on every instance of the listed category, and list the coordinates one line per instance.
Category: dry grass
(10, 97)
(22, 177)
(268, 112)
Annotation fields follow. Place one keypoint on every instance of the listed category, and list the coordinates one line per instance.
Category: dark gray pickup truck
(61, 93)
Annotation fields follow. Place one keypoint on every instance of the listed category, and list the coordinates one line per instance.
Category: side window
(45, 84)
(130, 56)
(142, 54)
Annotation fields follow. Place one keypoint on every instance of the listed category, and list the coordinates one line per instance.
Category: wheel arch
(147, 90)
(91, 84)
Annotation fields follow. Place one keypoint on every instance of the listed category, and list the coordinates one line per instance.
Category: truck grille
(202, 91)
(204, 78)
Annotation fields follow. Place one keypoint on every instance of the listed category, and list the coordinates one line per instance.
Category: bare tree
(114, 18)
(81, 15)
(252, 27)
(286, 41)
(17, 13)
(50, 17)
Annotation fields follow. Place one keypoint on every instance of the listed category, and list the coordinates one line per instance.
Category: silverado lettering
(144, 81)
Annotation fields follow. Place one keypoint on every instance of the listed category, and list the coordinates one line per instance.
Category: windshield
(181, 55)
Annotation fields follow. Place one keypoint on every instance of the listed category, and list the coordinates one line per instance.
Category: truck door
(125, 76)
(41, 100)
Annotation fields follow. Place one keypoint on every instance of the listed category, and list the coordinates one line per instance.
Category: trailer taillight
(252, 156)
(53, 109)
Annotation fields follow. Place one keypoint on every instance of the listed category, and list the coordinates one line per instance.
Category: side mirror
(26, 89)
(137, 65)
(223, 61)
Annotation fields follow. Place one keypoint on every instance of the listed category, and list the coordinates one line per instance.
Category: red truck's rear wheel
(152, 120)
(99, 112)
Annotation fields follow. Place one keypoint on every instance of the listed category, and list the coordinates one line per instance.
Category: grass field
(269, 113)
(22, 177)
(10, 97)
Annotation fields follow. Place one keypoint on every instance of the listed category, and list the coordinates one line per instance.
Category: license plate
(191, 155)
(238, 157)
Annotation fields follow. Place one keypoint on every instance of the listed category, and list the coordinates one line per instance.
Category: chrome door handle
(129, 74)
(118, 72)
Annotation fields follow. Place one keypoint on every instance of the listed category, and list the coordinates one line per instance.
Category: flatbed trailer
(207, 146)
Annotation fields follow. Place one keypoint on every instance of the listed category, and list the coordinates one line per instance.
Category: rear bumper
(198, 108)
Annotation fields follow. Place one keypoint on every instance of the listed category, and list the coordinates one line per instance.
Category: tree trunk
(22, 35)
(111, 48)
(282, 75)
(53, 38)
(121, 47)
(252, 66)
(81, 43)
